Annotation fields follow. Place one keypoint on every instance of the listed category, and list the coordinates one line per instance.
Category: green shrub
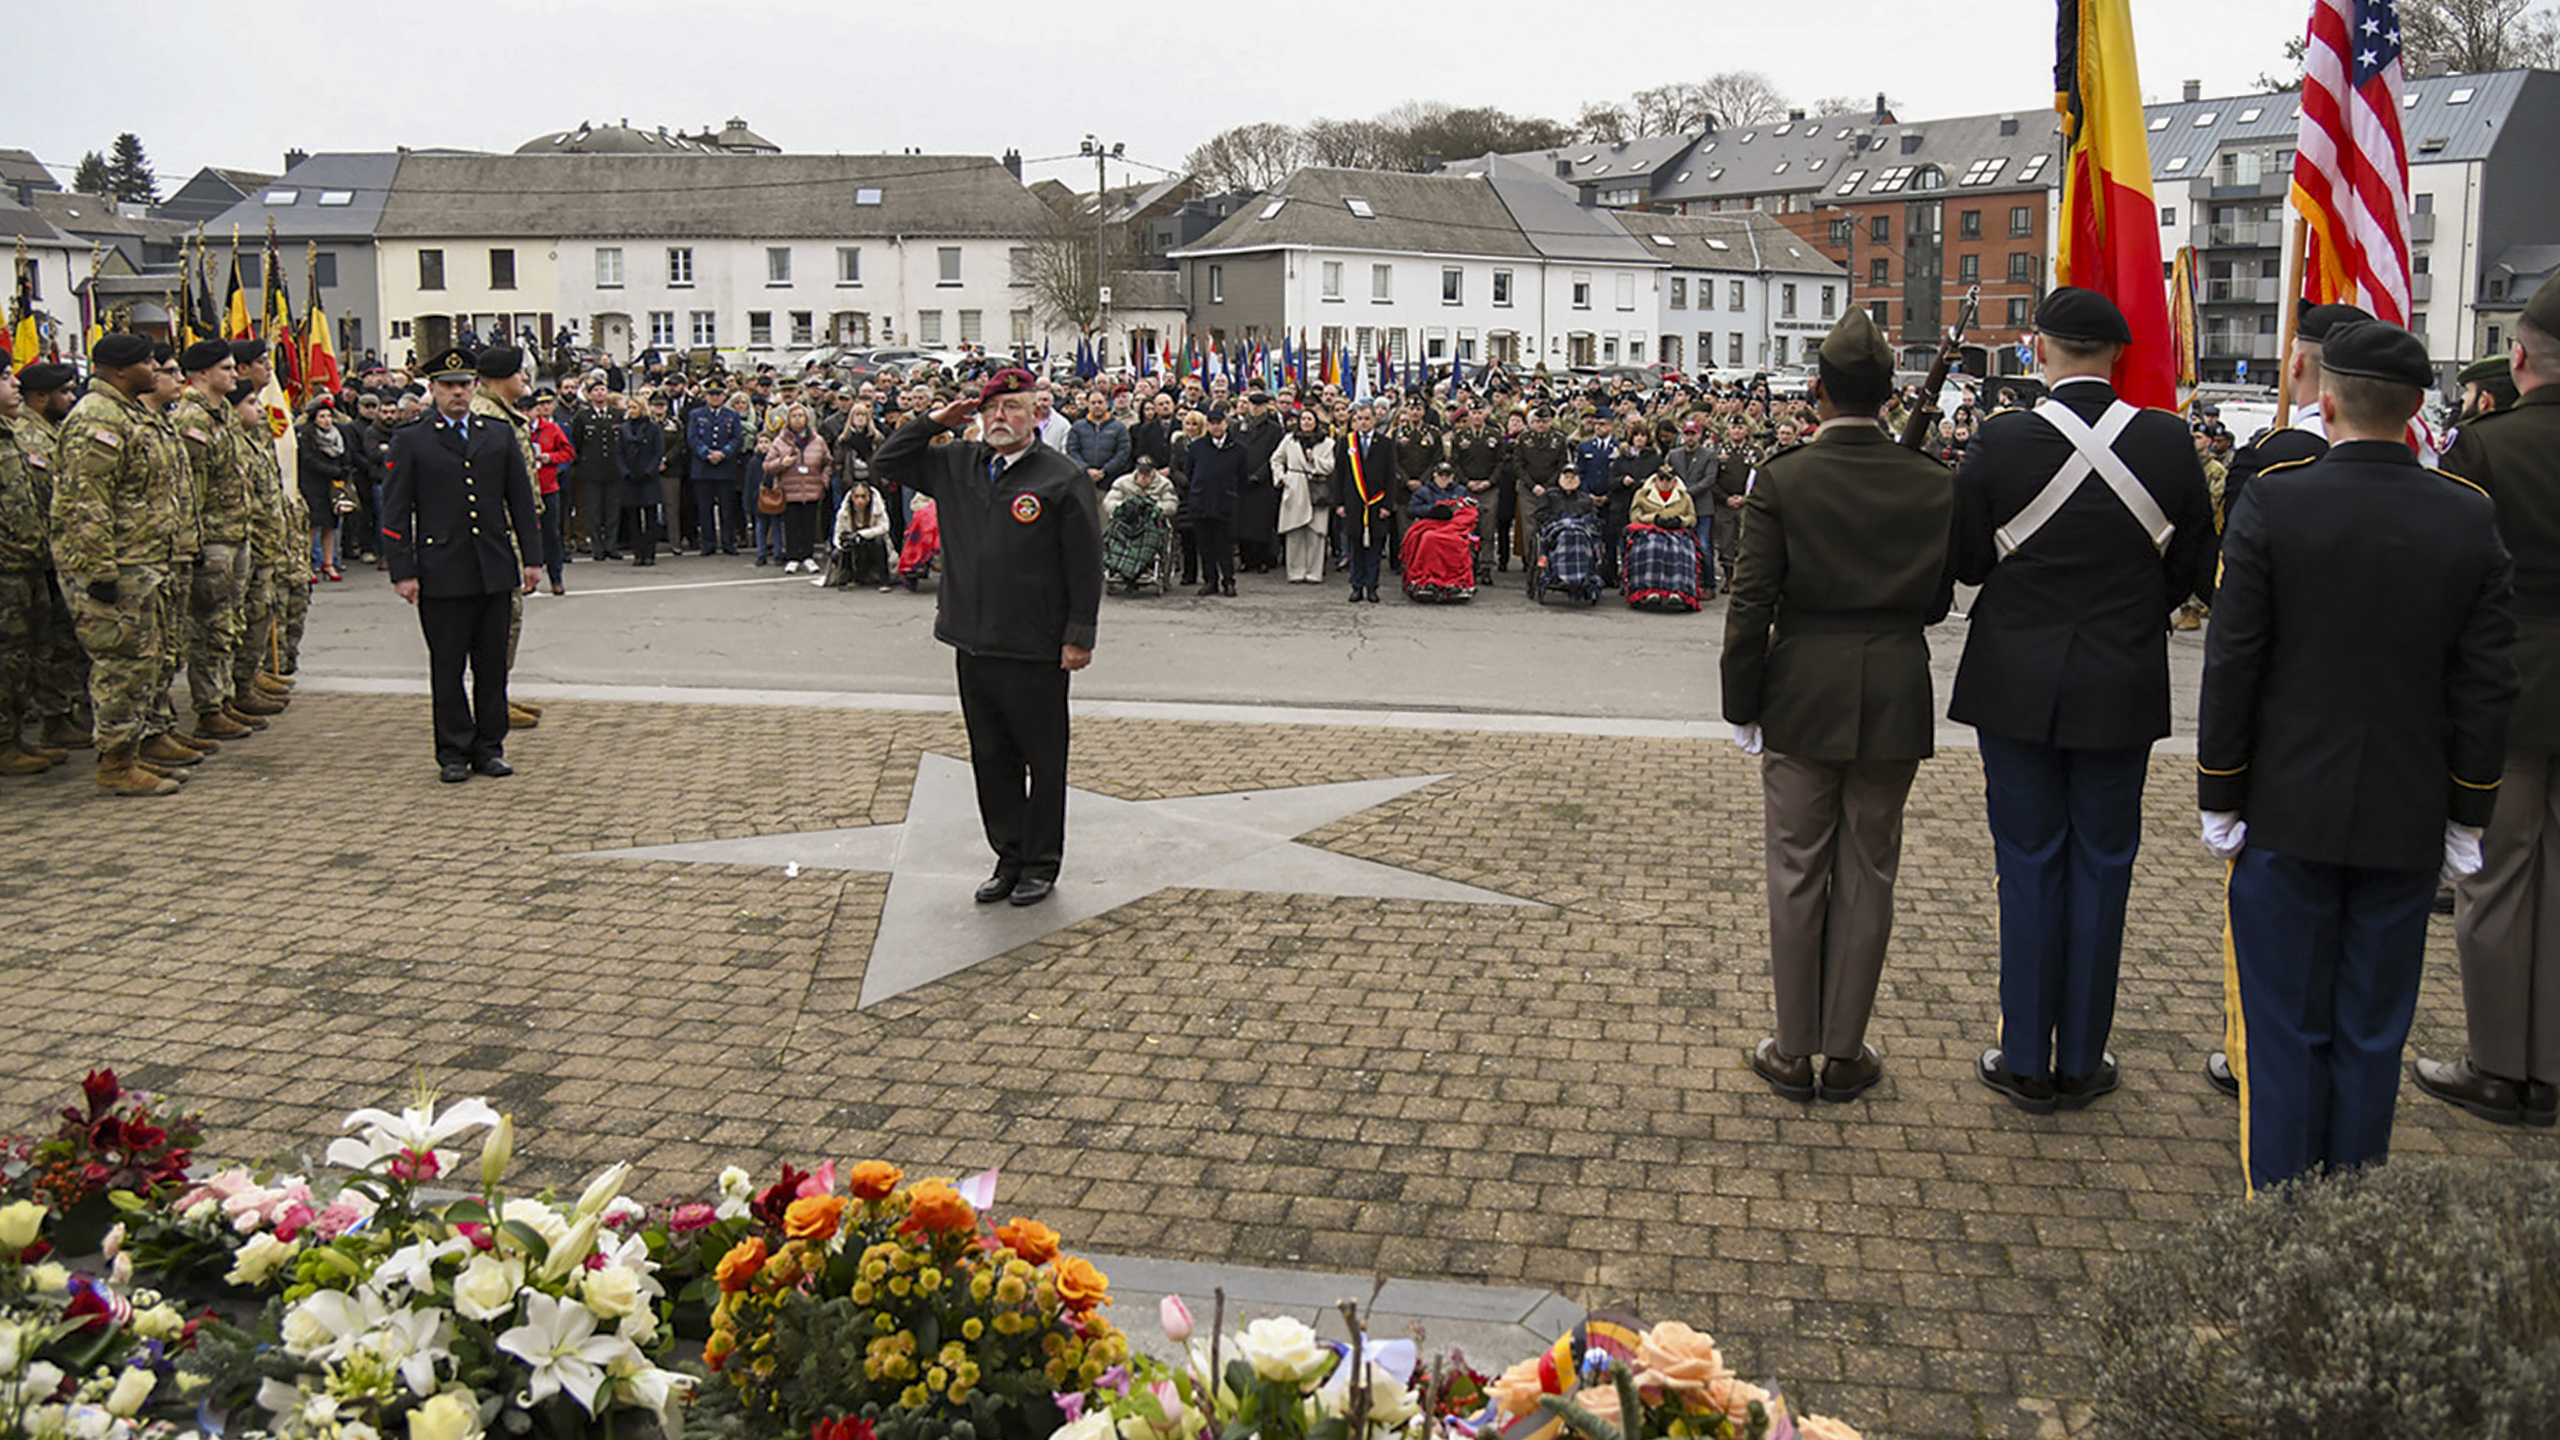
(2419, 1298)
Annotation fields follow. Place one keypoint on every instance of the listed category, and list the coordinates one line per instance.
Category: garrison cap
(1012, 380)
(2485, 370)
(2375, 350)
(46, 376)
(2072, 313)
(498, 362)
(2544, 308)
(1857, 349)
(114, 352)
(248, 352)
(2317, 321)
(454, 363)
(203, 355)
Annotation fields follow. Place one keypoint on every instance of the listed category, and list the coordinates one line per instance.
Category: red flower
(690, 1216)
(770, 1205)
(478, 1235)
(841, 1428)
(89, 1307)
(101, 1090)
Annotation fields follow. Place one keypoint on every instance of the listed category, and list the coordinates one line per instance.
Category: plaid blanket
(1571, 550)
(1662, 567)
(1130, 541)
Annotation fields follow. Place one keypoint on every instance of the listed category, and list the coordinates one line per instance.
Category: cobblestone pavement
(1551, 1098)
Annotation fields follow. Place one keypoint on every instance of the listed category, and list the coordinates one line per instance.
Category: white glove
(1748, 738)
(2461, 850)
(2225, 833)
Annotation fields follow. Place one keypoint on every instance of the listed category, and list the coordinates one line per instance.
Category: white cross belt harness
(2093, 449)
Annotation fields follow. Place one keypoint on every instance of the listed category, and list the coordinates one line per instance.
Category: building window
(608, 267)
(1609, 349)
(662, 329)
(1453, 285)
(1333, 280)
(1635, 349)
(1778, 350)
(848, 264)
(1733, 348)
(1879, 271)
(1968, 269)
(2021, 313)
(400, 330)
(804, 327)
(706, 326)
(1670, 349)
(1582, 290)
(1382, 282)
(1786, 302)
(1217, 284)
(324, 270)
(1841, 231)
(1626, 292)
(2022, 266)
(1881, 312)
(949, 258)
(928, 327)
(502, 269)
(1017, 265)
(2168, 215)
(1501, 287)
(2022, 220)
(777, 265)
(430, 269)
(1733, 295)
(679, 264)
(1830, 302)
(1969, 225)
(1679, 293)
(759, 327)
(1880, 229)
(1021, 327)
(973, 327)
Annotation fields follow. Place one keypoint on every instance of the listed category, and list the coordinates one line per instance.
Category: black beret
(248, 352)
(203, 355)
(163, 353)
(2316, 321)
(2071, 313)
(243, 392)
(2373, 350)
(46, 376)
(500, 361)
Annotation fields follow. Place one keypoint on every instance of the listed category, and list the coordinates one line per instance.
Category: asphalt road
(722, 623)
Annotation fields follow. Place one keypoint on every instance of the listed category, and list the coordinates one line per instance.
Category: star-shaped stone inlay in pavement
(1117, 851)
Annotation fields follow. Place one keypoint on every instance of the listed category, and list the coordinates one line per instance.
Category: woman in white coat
(1303, 468)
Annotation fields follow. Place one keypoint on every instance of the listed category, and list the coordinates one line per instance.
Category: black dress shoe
(1790, 1075)
(1228, 589)
(1031, 890)
(2217, 1068)
(2540, 1102)
(997, 886)
(1357, 597)
(1373, 595)
(1848, 1079)
(2035, 1096)
(1208, 591)
(493, 767)
(454, 773)
(2466, 1086)
(2071, 1094)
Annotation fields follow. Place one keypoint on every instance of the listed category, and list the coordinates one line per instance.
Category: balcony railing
(2230, 345)
(2243, 235)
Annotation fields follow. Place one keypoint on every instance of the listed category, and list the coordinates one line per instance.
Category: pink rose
(294, 1217)
(821, 1183)
(343, 1215)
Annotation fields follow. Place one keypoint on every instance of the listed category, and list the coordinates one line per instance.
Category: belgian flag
(237, 322)
(2110, 233)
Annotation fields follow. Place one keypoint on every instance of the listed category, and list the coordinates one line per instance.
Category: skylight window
(2160, 122)
(1715, 244)
(1274, 207)
(2177, 163)
(282, 197)
(2409, 101)
(1781, 168)
(1747, 134)
(1682, 178)
(1814, 164)
(1600, 169)
(1983, 172)
(2033, 167)
(1587, 159)
(1662, 240)
(2207, 118)
(867, 195)
(2460, 97)
(1843, 135)
(2250, 114)
(337, 197)
(1716, 174)
(1711, 148)
(1781, 130)
(1360, 207)
(1849, 186)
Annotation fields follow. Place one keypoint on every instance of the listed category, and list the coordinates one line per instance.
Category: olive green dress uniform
(1480, 457)
(2507, 917)
(117, 537)
(220, 493)
(1418, 448)
(1843, 564)
(1536, 460)
(25, 556)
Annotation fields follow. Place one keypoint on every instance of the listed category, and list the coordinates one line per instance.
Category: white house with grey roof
(326, 209)
(1741, 291)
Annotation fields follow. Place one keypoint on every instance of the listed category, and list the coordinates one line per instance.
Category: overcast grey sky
(238, 86)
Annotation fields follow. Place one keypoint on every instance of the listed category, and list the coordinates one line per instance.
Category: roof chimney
(295, 157)
(1794, 115)
(2195, 90)
(1432, 164)
(1883, 115)
(1013, 162)
(2008, 124)
(1564, 168)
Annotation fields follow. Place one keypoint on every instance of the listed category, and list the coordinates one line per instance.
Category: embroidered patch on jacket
(108, 438)
(1026, 508)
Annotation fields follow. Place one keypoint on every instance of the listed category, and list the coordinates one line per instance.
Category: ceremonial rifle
(1924, 411)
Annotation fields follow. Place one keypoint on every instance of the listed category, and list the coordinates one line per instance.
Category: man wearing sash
(2085, 521)
(1364, 472)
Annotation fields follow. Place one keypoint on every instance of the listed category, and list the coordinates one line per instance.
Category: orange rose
(1600, 1400)
(939, 1209)
(813, 1217)
(1517, 1389)
(741, 1264)
(717, 1350)
(873, 1179)
(1733, 1395)
(1029, 1239)
(1823, 1427)
(1674, 1360)
(1080, 1286)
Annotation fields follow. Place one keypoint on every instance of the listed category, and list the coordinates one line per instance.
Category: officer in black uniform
(2303, 438)
(457, 516)
(2348, 747)
(1021, 591)
(2085, 521)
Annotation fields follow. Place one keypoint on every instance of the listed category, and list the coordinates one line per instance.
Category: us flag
(2350, 167)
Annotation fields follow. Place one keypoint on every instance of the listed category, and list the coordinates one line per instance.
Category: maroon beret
(1013, 380)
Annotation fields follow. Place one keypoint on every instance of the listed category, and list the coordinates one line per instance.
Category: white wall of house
(1474, 308)
(468, 288)
(1742, 318)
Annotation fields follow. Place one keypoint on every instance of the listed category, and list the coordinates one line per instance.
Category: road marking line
(682, 585)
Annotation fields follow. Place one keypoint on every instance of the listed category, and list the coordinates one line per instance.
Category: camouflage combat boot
(215, 725)
(119, 773)
(250, 702)
(165, 749)
(242, 718)
(16, 759)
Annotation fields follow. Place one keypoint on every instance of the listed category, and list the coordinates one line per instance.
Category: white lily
(415, 1341)
(602, 1189)
(632, 1253)
(417, 1129)
(558, 1341)
(326, 1324)
(414, 1264)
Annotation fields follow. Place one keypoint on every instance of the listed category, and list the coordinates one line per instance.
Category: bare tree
(1249, 157)
(1679, 108)
(2474, 35)
(1743, 97)
(1601, 121)
(1064, 265)
(1346, 144)
(1850, 105)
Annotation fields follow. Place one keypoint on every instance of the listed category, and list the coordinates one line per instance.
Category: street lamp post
(1102, 154)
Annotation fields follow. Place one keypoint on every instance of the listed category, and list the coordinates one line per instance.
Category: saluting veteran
(457, 520)
(1843, 565)
(2348, 748)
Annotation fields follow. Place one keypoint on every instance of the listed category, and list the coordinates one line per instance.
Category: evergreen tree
(129, 172)
(92, 177)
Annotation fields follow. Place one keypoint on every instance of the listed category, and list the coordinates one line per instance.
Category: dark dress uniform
(1022, 579)
(1365, 487)
(2065, 677)
(457, 513)
(1480, 457)
(2346, 723)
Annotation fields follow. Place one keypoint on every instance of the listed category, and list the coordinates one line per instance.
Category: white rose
(735, 1183)
(133, 1387)
(1284, 1349)
(304, 1334)
(448, 1416)
(259, 1260)
(202, 1211)
(358, 1430)
(544, 1221)
(48, 1278)
(159, 1322)
(611, 1292)
(20, 1222)
(486, 1288)
(1096, 1425)
(640, 1327)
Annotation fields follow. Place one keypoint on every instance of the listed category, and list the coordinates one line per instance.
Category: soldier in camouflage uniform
(503, 385)
(165, 745)
(202, 418)
(271, 549)
(25, 559)
(62, 668)
(114, 538)
(289, 582)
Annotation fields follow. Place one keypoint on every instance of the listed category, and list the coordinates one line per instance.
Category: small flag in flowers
(979, 1190)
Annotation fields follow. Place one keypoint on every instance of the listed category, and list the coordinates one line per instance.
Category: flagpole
(2301, 252)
